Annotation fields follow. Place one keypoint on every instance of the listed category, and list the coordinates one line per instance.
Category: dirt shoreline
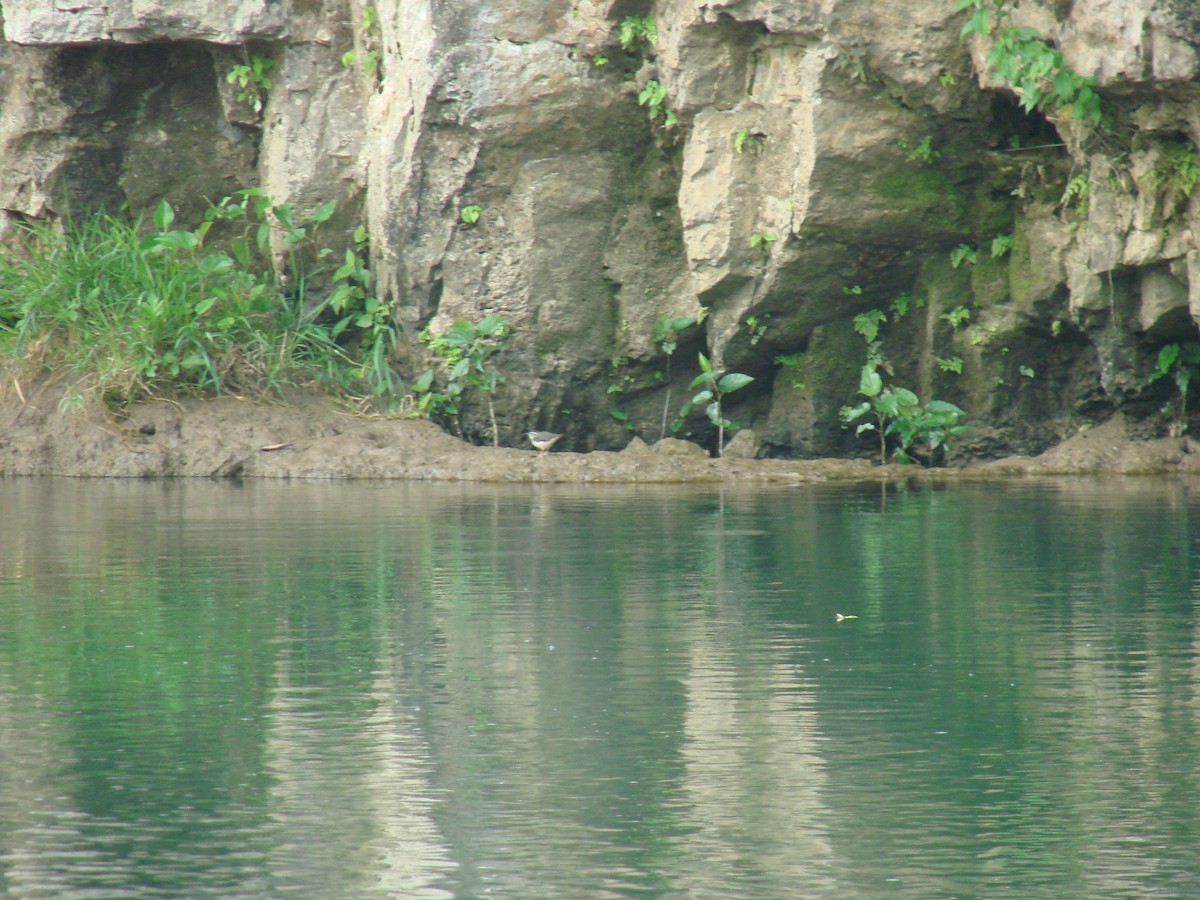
(313, 437)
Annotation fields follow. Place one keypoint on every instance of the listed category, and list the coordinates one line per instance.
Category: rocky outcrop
(793, 165)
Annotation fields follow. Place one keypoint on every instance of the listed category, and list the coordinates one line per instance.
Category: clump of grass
(130, 312)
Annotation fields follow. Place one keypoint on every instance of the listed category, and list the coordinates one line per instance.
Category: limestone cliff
(794, 163)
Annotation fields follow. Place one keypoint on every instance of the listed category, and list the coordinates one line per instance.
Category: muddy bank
(314, 437)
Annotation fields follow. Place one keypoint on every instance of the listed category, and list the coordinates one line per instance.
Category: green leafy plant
(599, 59)
(757, 328)
(904, 302)
(133, 310)
(652, 97)
(666, 334)
(963, 253)
(466, 354)
(637, 33)
(370, 57)
(923, 151)
(253, 80)
(853, 290)
(867, 324)
(1036, 71)
(714, 388)
(1056, 327)
(1027, 371)
(1001, 244)
(1175, 174)
(951, 364)
(470, 214)
(897, 411)
(744, 139)
(956, 317)
(947, 79)
(792, 361)
(1075, 191)
(852, 58)
(1182, 363)
(354, 301)
(762, 241)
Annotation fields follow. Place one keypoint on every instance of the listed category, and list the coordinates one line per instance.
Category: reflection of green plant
(1182, 363)
(253, 81)
(466, 354)
(1036, 71)
(637, 33)
(714, 389)
(898, 411)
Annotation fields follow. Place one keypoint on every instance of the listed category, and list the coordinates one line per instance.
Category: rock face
(792, 166)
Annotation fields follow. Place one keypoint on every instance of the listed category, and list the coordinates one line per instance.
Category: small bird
(542, 440)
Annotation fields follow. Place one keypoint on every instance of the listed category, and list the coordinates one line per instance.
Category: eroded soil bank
(314, 437)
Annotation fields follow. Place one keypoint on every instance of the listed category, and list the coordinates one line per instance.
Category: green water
(386, 690)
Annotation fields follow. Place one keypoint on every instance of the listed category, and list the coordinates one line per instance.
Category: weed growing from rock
(465, 357)
(714, 388)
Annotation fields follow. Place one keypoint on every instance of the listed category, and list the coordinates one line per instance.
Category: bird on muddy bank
(542, 440)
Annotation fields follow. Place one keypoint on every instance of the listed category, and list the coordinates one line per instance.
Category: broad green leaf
(177, 240)
(943, 406)
(241, 250)
(491, 325)
(323, 212)
(163, 215)
(732, 381)
(871, 383)
(283, 212)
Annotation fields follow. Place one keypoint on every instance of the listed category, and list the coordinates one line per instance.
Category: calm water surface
(388, 690)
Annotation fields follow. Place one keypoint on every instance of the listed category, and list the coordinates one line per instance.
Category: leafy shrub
(132, 312)
(898, 411)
